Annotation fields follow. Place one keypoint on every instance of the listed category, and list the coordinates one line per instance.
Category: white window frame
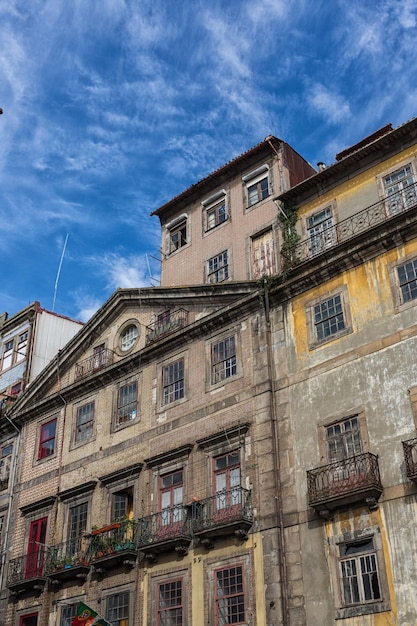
(217, 268)
(210, 205)
(321, 235)
(176, 226)
(254, 178)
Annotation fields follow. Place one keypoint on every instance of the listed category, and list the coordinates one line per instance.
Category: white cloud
(332, 106)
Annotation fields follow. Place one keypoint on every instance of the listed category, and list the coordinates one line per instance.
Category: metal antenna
(59, 272)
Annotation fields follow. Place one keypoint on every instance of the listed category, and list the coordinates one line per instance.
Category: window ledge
(363, 609)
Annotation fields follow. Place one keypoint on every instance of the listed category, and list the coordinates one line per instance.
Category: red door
(36, 548)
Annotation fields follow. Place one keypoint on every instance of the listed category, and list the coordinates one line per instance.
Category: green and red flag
(85, 616)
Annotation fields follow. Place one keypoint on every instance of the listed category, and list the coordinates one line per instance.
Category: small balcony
(96, 362)
(167, 324)
(114, 545)
(227, 513)
(343, 483)
(364, 220)
(410, 456)
(66, 561)
(165, 531)
(27, 572)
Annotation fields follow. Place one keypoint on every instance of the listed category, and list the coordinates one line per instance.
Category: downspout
(61, 448)
(11, 490)
(277, 466)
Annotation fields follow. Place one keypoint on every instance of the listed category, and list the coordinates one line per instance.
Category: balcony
(27, 572)
(360, 222)
(410, 456)
(343, 483)
(66, 561)
(96, 362)
(165, 531)
(114, 545)
(227, 513)
(167, 324)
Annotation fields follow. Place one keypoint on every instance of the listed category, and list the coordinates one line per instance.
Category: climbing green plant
(288, 218)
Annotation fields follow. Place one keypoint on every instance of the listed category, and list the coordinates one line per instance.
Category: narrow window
(216, 215)
(263, 255)
(118, 609)
(218, 268)
(22, 343)
(170, 604)
(173, 381)
(229, 596)
(178, 236)
(68, 612)
(258, 190)
(227, 481)
(122, 504)
(343, 440)
(5, 464)
(85, 421)
(400, 190)
(171, 498)
(328, 317)
(359, 572)
(407, 276)
(7, 354)
(47, 439)
(77, 524)
(127, 404)
(223, 360)
(35, 557)
(320, 231)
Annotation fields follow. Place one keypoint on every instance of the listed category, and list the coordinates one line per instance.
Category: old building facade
(241, 450)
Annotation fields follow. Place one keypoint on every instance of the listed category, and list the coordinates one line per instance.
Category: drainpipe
(11, 491)
(277, 466)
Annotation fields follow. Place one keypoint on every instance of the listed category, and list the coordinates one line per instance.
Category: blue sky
(112, 107)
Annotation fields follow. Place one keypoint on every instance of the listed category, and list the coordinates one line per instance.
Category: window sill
(326, 340)
(363, 609)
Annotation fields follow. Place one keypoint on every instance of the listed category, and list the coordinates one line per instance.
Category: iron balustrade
(119, 537)
(65, 555)
(343, 477)
(166, 526)
(167, 324)
(222, 509)
(360, 222)
(96, 362)
(26, 567)
(410, 456)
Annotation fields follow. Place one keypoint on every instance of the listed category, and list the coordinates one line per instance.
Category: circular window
(128, 337)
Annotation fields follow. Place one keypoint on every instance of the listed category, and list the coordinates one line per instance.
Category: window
(328, 317)
(7, 354)
(5, 464)
(22, 342)
(343, 439)
(2, 518)
(258, 191)
(170, 604)
(171, 497)
(173, 381)
(400, 190)
(117, 609)
(226, 470)
(77, 524)
(47, 439)
(16, 389)
(215, 210)
(128, 337)
(36, 548)
(359, 572)
(320, 231)
(229, 596)
(85, 422)
(217, 268)
(407, 278)
(29, 620)
(177, 236)
(263, 255)
(68, 612)
(223, 360)
(126, 404)
(122, 504)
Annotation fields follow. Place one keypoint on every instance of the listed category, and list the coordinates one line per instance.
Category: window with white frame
(400, 190)
(359, 572)
(68, 612)
(14, 350)
(214, 211)
(129, 337)
(257, 185)
(22, 343)
(84, 422)
(173, 381)
(218, 268)
(320, 231)
(177, 235)
(127, 403)
(117, 609)
(7, 360)
(343, 439)
(223, 359)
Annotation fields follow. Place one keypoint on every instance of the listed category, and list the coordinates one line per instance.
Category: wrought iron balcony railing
(410, 456)
(343, 482)
(28, 570)
(226, 512)
(67, 555)
(166, 325)
(96, 362)
(165, 527)
(113, 541)
(362, 221)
